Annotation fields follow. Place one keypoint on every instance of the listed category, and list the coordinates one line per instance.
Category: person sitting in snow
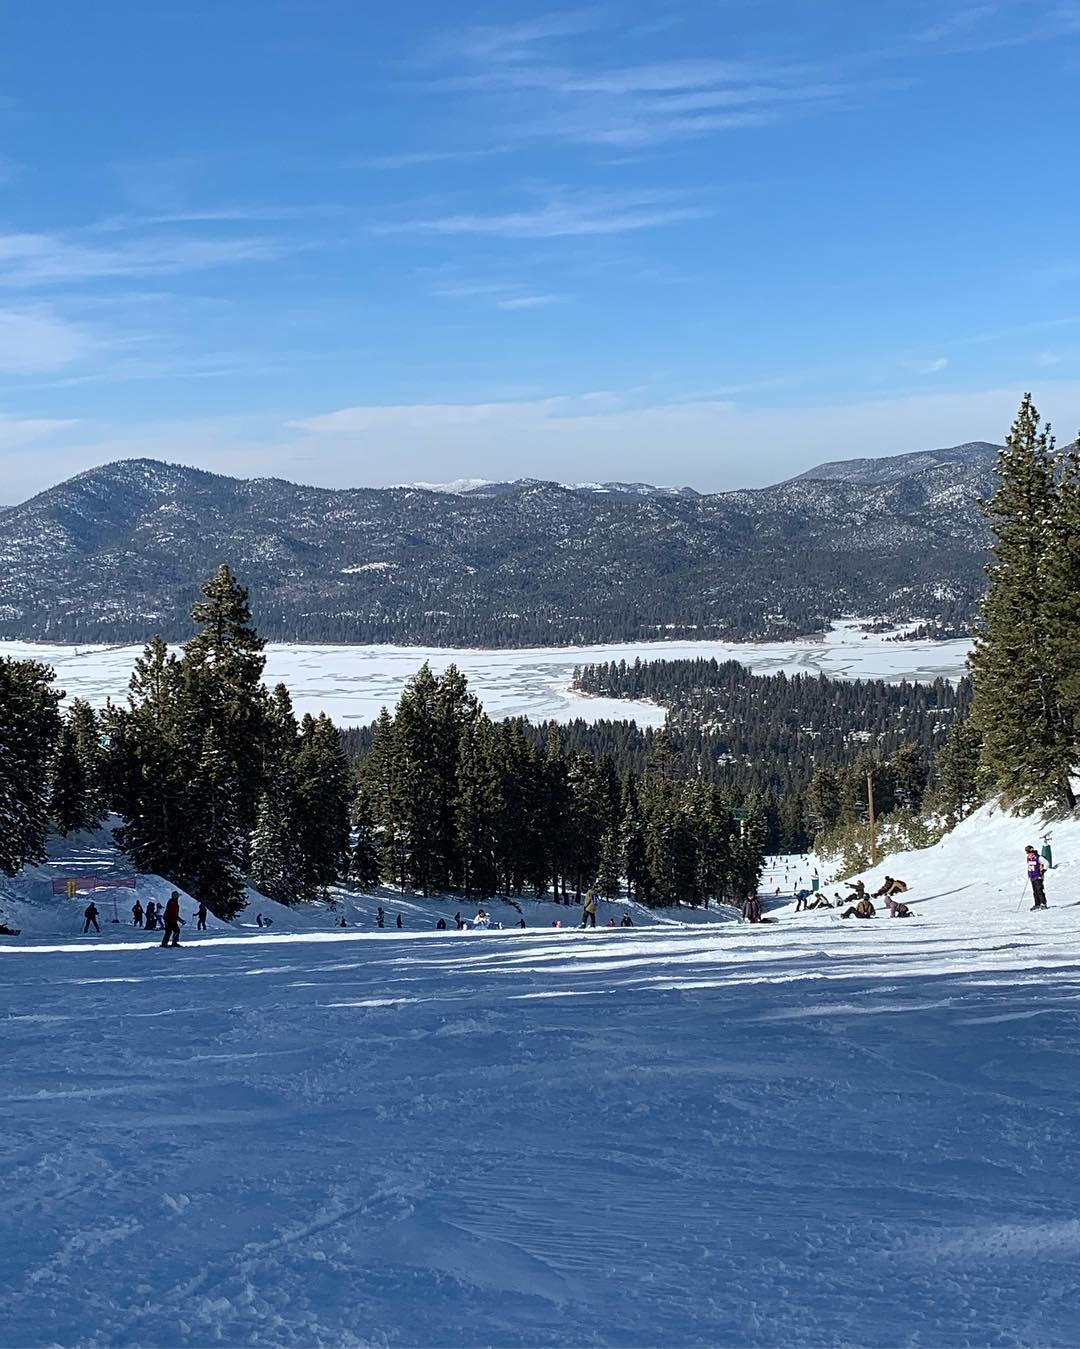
(858, 890)
(897, 908)
(481, 919)
(627, 921)
(821, 901)
(440, 926)
(864, 909)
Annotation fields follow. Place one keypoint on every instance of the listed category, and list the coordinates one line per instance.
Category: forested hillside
(113, 555)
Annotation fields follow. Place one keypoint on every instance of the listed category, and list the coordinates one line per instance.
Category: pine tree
(29, 726)
(67, 784)
(477, 808)
(1028, 726)
(632, 838)
(956, 768)
(325, 790)
(223, 665)
(214, 871)
(90, 750)
(364, 859)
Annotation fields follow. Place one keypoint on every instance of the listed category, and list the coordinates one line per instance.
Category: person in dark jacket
(90, 913)
(172, 920)
(137, 913)
(459, 922)
(200, 925)
(1036, 870)
(151, 915)
(627, 921)
(399, 922)
(441, 925)
(380, 917)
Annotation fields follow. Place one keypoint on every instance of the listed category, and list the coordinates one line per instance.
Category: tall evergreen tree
(68, 809)
(29, 725)
(1028, 724)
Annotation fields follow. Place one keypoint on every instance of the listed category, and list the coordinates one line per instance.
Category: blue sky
(354, 243)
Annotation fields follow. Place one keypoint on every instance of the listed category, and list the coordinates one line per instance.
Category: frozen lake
(352, 683)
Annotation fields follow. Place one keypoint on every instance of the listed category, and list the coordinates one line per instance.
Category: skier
(137, 913)
(151, 915)
(380, 918)
(1036, 870)
(864, 909)
(200, 925)
(172, 920)
(399, 922)
(588, 917)
(521, 922)
(90, 913)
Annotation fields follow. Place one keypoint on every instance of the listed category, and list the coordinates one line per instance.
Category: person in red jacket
(172, 920)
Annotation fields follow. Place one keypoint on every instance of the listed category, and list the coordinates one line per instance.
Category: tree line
(218, 786)
(449, 800)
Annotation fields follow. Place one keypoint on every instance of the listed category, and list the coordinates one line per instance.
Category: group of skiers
(167, 916)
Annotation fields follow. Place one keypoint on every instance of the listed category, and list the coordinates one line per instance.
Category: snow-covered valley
(352, 683)
(813, 1131)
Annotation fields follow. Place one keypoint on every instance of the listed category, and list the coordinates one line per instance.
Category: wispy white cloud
(961, 20)
(36, 340)
(16, 433)
(590, 98)
(571, 214)
(41, 259)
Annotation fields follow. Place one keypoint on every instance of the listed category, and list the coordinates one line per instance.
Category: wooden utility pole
(870, 812)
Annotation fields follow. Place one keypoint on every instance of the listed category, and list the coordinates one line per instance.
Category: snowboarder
(891, 887)
(137, 914)
(858, 890)
(200, 915)
(801, 896)
(588, 917)
(258, 920)
(627, 921)
(897, 908)
(1036, 870)
(172, 920)
(342, 922)
(399, 922)
(440, 926)
(864, 909)
(90, 913)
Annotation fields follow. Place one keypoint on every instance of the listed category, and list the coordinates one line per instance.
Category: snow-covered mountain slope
(808, 1132)
(118, 553)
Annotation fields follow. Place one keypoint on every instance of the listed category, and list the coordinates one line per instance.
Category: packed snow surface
(814, 1131)
(352, 683)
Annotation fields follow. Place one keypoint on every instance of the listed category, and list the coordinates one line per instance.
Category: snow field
(810, 1132)
(352, 683)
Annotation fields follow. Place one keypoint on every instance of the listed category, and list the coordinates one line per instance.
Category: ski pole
(1023, 892)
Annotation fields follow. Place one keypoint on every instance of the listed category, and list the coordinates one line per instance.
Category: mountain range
(117, 553)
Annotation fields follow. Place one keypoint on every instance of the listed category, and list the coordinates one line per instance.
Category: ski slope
(807, 1132)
